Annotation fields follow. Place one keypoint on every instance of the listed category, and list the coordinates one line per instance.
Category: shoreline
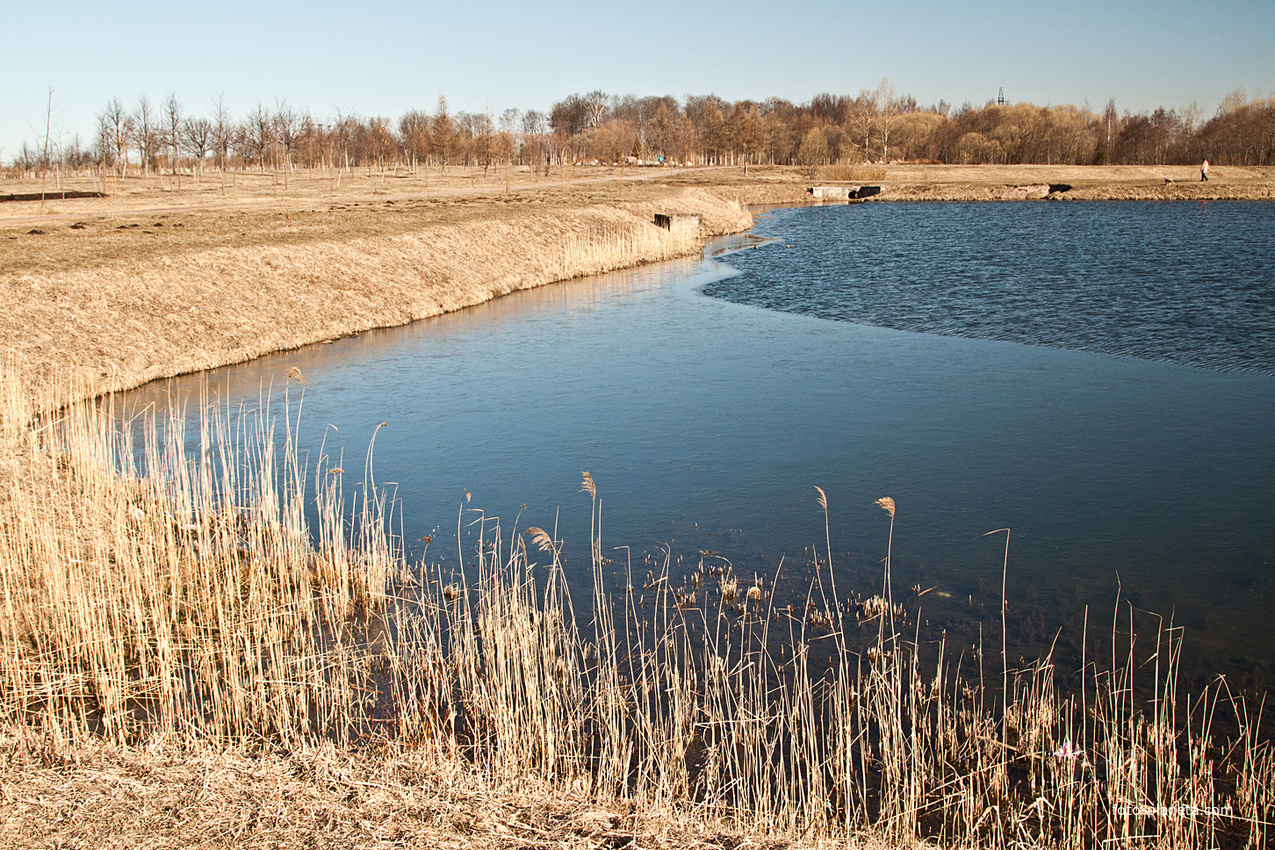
(127, 298)
(166, 279)
(117, 324)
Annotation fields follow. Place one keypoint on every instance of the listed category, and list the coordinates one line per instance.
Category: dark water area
(708, 423)
(1181, 283)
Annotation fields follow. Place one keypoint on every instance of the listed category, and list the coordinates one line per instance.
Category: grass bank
(163, 276)
(122, 299)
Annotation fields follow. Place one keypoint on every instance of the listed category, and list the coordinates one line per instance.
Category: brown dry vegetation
(1088, 183)
(157, 280)
(155, 283)
(169, 794)
(173, 795)
(201, 668)
(263, 680)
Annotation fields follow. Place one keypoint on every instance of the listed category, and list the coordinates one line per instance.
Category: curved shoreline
(116, 325)
(122, 306)
(107, 294)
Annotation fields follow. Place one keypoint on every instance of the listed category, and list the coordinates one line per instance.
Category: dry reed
(160, 584)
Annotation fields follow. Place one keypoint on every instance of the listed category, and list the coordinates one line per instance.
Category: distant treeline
(874, 126)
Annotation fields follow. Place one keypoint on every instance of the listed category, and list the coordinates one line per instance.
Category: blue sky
(384, 58)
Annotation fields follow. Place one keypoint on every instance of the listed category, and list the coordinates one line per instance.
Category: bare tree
(1232, 102)
(343, 137)
(413, 129)
(443, 131)
(286, 126)
(465, 138)
(887, 104)
(27, 160)
(713, 132)
(745, 130)
(509, 120)
(662, 132)
(876, 124)
(173, 126)
(44, 157)
(484, 128)
(257, 132)
(116, 127)
(570, 117)
(144, 136)
(860, 115)
(596, 105)
(101, 150)
(380, 142)
(507, 140)
(223, 130)
(813, 152)
(1191, 117)
(312, 138)
(1111, 124)
(535, 140)
(198, 137)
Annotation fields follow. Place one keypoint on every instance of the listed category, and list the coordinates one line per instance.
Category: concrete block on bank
(679, 224)
(831, 193)
(844, 193)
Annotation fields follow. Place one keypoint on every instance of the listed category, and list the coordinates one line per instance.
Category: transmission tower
(1000, 97)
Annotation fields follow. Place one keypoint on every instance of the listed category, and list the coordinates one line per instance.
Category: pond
(1099, 378)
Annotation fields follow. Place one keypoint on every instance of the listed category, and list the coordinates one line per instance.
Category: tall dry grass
(859, 171)
(150, 588)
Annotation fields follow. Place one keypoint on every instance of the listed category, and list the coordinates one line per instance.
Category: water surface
(707, 423)
(1179, 282)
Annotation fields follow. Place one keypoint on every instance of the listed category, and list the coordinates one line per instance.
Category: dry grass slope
(123, 323)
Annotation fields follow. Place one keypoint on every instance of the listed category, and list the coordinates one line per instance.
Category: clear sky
(382, 58)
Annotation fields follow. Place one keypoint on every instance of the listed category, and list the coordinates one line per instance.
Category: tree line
(875, 125)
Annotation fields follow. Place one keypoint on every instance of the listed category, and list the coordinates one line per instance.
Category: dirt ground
(252, 208)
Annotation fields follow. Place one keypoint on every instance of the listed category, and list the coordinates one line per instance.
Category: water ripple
(1192, 284)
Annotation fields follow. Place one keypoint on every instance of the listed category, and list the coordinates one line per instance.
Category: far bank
(163, 276)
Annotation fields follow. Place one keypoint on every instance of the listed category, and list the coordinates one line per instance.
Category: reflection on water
(707, 424)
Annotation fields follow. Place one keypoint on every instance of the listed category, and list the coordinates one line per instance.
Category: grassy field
(184, 654)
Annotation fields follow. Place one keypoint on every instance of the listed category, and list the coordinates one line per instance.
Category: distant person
(1204, 172)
